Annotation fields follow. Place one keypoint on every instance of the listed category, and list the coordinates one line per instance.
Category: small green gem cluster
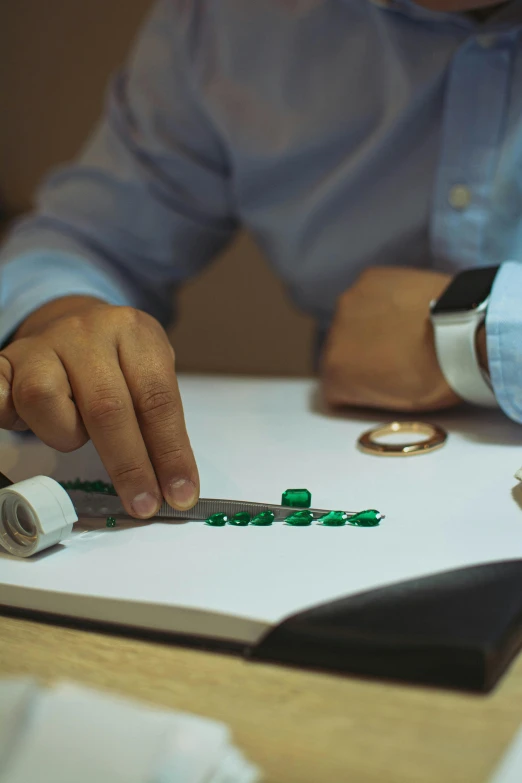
(89, 486)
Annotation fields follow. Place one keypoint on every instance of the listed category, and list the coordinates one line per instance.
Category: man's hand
(380, 351)
(79, 368)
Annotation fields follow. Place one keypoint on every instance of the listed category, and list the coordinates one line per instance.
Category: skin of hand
(80, 369)
(482, 348)
(380, 350)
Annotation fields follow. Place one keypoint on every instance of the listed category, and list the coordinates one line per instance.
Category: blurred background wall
(55, 57)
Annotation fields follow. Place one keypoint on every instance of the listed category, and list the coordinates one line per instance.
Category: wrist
(458, 319)
(481, 347)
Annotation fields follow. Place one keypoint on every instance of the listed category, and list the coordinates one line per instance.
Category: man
(373, 149)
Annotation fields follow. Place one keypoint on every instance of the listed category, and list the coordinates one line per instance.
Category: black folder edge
(457, 629)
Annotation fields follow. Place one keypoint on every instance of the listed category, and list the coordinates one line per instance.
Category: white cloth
(73, 734)
(510, 768)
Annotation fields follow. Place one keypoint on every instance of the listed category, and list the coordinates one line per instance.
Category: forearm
(144, 206)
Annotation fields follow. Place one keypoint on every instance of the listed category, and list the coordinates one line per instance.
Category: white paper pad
(451, 508)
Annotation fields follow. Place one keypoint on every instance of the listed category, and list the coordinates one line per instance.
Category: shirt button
(459, 197)
(486, 41)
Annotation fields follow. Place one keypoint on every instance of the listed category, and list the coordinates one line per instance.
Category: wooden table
(300, 727)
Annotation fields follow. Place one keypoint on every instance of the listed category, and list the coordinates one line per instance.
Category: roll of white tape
(34, 514)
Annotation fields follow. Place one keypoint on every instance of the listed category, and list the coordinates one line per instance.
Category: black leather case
(457, 629)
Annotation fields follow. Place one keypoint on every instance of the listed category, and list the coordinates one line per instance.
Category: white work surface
(253, 439)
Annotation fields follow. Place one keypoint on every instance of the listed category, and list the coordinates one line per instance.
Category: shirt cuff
(504, 338)
(31, 280)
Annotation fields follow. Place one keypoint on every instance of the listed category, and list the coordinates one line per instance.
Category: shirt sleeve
(504, 338)
(147, 203)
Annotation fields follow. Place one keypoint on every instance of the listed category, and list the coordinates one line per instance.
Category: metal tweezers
(98, 504)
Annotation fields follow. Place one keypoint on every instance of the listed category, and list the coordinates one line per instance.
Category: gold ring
(436, 439)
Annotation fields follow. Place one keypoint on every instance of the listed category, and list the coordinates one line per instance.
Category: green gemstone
(111, 522)
(241, 519)
(300, 518)
(263, 519)
(89, 486)
(334, 519)
(217, 520)
(368, 518)
(297, 498)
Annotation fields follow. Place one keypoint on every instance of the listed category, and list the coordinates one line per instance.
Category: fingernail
(144, 504)
(181, 494)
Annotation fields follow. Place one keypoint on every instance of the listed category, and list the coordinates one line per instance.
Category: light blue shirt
(342, 134)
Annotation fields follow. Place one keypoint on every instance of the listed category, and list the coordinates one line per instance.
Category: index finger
(157, 401)
(104, 401)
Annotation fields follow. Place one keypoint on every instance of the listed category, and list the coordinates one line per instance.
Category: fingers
(107, 374)
(42, 398)
(104, 401)
(35, 394)
(9, 418)
(156, 399)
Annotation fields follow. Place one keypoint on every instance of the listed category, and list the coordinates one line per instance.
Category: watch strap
(458, 360)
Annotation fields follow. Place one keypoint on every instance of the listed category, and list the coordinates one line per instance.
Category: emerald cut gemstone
(241, 519)
(297, 498)
(263, 519)
(368, 518)
(217, 520)
(300, 518)
(111, 522)
(334, 519)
